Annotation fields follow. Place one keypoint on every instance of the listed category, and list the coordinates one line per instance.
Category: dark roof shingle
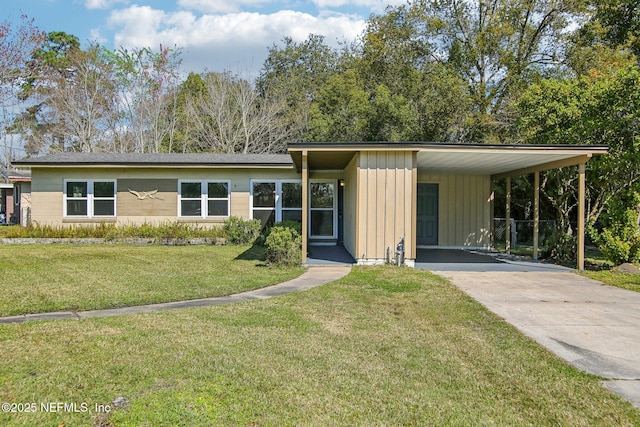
(160, 159)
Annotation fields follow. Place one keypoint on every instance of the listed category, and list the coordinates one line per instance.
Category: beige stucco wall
(385, 202)
(464, 204)
(48, 183)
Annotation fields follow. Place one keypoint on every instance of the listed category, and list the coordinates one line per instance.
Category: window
(292, 201)
(16, 196)
(276, 201)
(322, 209)
(263, 198)
(203, 199)
(90, 198)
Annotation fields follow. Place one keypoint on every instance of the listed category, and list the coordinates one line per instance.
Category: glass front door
(322, 210)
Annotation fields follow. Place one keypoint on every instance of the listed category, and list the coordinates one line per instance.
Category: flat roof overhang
(498, 161)
(165, 160)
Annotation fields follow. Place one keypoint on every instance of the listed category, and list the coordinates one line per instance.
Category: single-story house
(15, 195)
(367, 196)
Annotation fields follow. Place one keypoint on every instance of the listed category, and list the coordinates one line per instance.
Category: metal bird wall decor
(141, 195)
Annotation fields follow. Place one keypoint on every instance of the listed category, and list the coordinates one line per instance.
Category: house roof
(465, 159)
(159, 160)
(15, 175)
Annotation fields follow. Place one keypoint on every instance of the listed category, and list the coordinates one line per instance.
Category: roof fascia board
(454, 148)
(158, 166)
(571, 161)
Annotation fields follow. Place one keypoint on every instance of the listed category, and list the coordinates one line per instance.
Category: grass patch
(42, 278)
(614, 278)
(383, 346)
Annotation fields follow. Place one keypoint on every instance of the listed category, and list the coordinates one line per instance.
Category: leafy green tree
(597, 108)
(79, 104)
(53, 56)
(341, 110)
(430, 100)
(615, 23)
(184, 139)
(610, 39)
(496, 47)
(293, 74)
(69, 94)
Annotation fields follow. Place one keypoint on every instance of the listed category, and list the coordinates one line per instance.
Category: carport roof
(465, 159)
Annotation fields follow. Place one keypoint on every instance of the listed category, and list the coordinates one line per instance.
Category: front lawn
(613, 278)
(41, 278)
(382, 346)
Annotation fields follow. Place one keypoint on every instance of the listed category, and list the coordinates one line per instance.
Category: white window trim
(90, 198)
(204, 198)
(334, 208)
(278, 207)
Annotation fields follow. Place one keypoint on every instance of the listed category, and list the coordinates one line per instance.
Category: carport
(478, 261)
(425, 195)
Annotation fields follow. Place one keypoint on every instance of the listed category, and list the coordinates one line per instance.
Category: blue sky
(213, 35)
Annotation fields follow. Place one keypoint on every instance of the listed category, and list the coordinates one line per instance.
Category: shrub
(294, 225)
(170, 230)
(617, 249)
(284, 246)
(619, 239)
(240, 232)
(562, 250)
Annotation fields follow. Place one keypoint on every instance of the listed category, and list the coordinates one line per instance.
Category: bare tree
(147, 84)
(16, 46)
(81, 102)
(231, 117)
(76, 106)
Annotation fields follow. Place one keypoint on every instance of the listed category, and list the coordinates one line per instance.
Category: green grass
(383, 346)
(42, 278)
(613, 278)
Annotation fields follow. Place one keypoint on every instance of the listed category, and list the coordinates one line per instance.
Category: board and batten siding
(385, 202)
(47, 191)
(350, 207)
(464, 204)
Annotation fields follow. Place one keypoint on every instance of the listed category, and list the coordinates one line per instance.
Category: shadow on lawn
(254, 253)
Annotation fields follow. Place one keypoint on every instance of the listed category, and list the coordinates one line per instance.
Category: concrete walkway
(594, 327)
(314, 276)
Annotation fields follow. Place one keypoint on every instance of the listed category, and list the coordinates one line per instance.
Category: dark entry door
(427, 215)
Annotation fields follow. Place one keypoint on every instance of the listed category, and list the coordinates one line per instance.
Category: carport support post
(305, 203)
(507, 242)
(536, 212)
(581, 197)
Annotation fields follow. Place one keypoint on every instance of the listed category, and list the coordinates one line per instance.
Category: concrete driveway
(469, 260)
(592, 326)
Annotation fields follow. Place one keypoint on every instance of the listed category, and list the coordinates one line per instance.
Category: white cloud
(102, 4)
(219, 6)
(231, 41)
(96, 36)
